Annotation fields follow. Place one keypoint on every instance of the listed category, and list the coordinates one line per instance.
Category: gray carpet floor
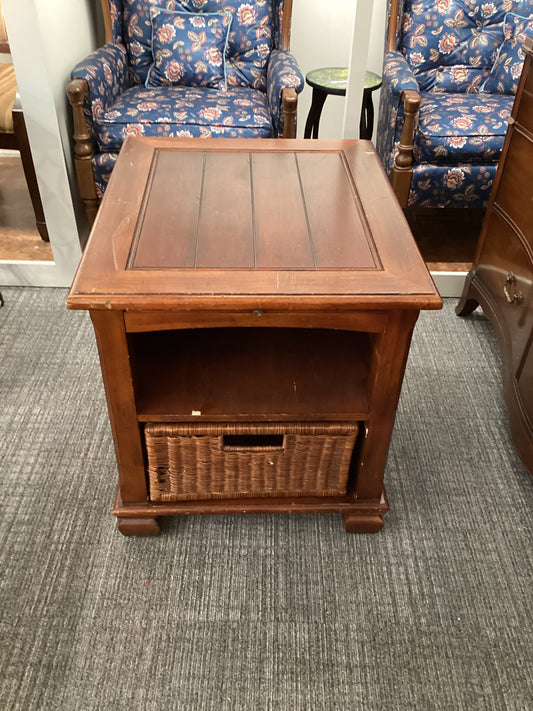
(262, 612)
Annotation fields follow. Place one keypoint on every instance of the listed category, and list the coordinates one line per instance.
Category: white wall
(322, 37)
(47, 37)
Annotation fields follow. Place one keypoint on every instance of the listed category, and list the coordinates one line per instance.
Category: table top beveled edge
(113, 288)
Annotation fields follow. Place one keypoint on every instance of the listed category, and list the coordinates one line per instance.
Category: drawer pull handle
(252, 442)
(516, 297)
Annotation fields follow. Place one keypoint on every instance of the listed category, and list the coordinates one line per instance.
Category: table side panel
(367, 321)
(116, 373)
(389, 359)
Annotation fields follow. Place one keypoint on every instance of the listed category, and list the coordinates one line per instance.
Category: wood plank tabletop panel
(338, 228)
(167, 226)
(281, 229)
(398, 252)
(286, 217)
(225, 226)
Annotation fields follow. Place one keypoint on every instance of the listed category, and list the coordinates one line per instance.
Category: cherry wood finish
(501, 278)
(252, 280)
(402, 169)
(138, 526)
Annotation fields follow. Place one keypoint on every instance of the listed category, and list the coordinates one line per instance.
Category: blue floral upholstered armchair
(451, 71)
(189, 68)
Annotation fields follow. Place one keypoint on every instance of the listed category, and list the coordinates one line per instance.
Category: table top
(334, 79)
(250, 223)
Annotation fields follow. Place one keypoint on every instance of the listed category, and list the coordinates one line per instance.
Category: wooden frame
(78, 90)
(402, 169)
(22, 144)
(18, 141)
(209, 315)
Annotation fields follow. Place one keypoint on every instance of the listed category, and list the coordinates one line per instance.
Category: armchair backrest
(451, 45)
(256, 29)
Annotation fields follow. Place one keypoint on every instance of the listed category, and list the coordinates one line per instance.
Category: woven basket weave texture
(199, 461)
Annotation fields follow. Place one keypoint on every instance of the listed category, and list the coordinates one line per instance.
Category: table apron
(365, 321)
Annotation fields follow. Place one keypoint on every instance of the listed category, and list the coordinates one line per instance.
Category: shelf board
(293, 505)
(251, 374)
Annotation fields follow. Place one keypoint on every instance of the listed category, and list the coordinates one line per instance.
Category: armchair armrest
(398, 75)
(106, 72)
(401, 101)
(96, 83)
(284, 82)
(402, 169)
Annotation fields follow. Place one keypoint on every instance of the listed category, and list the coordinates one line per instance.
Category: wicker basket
(209, 461)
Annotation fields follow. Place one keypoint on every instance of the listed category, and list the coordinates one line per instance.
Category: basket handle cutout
(264, 442)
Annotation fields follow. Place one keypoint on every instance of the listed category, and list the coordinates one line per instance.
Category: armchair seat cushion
(462, 185)
(239, 112)
(461, 128)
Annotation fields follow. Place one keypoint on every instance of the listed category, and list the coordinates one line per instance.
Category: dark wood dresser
(501, 278)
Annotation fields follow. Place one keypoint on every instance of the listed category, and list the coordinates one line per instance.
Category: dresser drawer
(524, 115)
(517, 171)
(506, 271)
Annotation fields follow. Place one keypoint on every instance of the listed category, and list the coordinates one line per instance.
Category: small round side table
(332, 80)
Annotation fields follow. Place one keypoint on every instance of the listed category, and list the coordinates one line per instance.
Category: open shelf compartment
(250, 374)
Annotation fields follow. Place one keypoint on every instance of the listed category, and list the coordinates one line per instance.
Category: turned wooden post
(108, 22)
(289, 102)
(402, 170)
(77, 90)
(393, 26)
(286, 25)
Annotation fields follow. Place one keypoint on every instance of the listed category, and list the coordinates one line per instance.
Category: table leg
(391, 349)
(368, 523)
(468, 302)
(366, 124)
(112, 342)
(313, 118)
(138, 526)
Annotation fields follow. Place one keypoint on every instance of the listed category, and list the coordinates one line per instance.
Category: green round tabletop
(334, 79)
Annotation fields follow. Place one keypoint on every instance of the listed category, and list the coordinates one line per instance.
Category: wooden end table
(251, 281)
(333, 80)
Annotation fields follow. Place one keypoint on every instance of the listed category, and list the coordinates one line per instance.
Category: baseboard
(449, 284)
